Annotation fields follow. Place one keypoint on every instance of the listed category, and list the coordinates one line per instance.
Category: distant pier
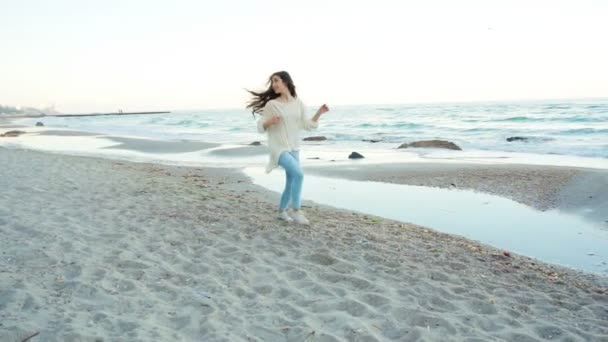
(117, 113)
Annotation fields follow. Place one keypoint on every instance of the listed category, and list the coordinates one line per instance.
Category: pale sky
(88, 56)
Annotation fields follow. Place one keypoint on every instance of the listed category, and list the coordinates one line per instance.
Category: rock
(355, 155)
(432, 144)
(39, 124)
(12, 134)
(372, 140)
(517, 139)
(256, 143)
(319, 138)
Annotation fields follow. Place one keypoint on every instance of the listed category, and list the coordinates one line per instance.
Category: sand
(242, 151)
(67, 133)
(99, 250)
(159, 146)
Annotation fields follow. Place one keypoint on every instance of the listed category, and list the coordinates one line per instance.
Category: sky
(88, 56)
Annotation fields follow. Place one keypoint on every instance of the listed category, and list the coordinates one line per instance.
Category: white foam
(311, 154)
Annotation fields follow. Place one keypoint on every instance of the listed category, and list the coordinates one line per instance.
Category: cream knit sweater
(284, 136)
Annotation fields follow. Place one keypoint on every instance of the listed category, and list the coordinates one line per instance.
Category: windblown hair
(260, 99)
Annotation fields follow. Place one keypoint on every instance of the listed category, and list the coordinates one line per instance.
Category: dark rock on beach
(317, 138)
(432, 144)
(12, 134)
(510, 139)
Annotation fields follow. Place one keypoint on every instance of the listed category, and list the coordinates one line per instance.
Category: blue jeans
(294, 177)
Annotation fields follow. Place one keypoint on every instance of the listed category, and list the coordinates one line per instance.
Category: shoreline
(113, 249)
(570, 189)
(543, 187)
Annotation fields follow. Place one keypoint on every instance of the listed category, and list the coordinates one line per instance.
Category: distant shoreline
(29, 116)
(77, 115)
(100, 114)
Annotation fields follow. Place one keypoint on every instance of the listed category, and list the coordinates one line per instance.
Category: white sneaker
(299, 217)
(284, 216)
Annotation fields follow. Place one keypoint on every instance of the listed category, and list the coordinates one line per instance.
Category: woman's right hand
(272, 121)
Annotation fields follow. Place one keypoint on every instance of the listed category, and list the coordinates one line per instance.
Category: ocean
(574, 128)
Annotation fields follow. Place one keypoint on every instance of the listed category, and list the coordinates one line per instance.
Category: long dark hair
(259, 100)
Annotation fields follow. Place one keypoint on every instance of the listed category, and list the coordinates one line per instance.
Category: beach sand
(155, 146)
(100, 250)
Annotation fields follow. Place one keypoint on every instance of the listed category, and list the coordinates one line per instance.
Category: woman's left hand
(323, 109)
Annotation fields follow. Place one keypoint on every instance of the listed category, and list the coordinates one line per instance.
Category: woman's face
(278, 86)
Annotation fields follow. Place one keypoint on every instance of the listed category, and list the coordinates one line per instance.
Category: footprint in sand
(353, 308)
(374, 300)
(482, 307)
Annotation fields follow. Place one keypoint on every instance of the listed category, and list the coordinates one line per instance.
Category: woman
(283, 117)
